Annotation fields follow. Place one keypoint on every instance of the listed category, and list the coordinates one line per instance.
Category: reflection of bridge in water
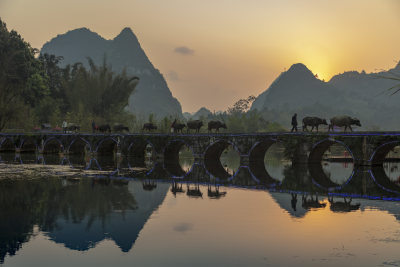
(367, 149)
(363, 182)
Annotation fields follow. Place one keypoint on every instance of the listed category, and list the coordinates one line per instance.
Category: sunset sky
(213, 53)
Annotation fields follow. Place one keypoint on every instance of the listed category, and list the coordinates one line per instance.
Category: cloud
(173, 76)
(183, 50)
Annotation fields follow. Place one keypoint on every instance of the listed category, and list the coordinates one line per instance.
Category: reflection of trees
(297, 179)
(25, 203)
(18, 208)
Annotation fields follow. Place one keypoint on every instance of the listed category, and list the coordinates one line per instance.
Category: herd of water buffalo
(215, 125)
(195, 125)
(338, 121)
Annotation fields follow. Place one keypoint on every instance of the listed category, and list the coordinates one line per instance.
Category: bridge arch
(28, 145)
(52, 145)
(256, 160)
(212, 157)
(320, 179)
(172, 159)
(319, 149)
(7, 145)
(380, 153)
(381, 179)
(78, 146)
(107, 145)
(137, 152)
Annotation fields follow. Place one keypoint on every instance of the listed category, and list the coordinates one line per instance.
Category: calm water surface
(98, 220)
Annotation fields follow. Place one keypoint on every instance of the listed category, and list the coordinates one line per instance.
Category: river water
(80, 211)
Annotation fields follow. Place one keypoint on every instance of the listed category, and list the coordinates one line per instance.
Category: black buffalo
(313, 122)
(177, 126)
(72, 127)
(104, 128)
(345, 121)
(195, 125)
(149, 126)
(215, 125)
(120, 128)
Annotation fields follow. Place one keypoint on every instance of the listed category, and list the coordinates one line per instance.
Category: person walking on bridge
(294, 123)
(64, 126)
(93, 126)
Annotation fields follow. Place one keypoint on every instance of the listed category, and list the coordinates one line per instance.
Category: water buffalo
(177, 126)
(345, 206)
(120, 128)
(215, 125)
(149, 126)
(46, 126)
(72, 127)
(345, 121)
(195, 125)
(313, 122)
(104, 128)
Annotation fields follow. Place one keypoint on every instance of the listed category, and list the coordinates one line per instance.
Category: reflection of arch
(28, 145)
(319, 149)
(171, 157)
(137, 151)
(106, 146)
(77, 146)
(52, 145)
(256, 160)
(320, 179)
(381, 152)
(7, 145)
(212, 156)
(382, 180)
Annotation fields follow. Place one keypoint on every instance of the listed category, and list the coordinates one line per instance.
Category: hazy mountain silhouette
(152, 94)
(356, 94)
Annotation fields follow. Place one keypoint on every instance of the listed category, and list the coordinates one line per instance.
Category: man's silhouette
(294, 123)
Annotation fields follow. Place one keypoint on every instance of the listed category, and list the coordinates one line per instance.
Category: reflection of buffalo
(345, 121)
(120, 128)
(195, 192)
(149, 185)
(104, 128)
(312, 203)
(216, 193)
(313, 122)
(176, 188)
(195, 125)
(149, 126)
(345, 206)
(215, 125)
(177, 126)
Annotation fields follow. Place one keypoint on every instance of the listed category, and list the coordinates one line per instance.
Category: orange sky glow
(239, 47)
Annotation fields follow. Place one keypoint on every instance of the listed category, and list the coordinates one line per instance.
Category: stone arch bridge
(366, 148)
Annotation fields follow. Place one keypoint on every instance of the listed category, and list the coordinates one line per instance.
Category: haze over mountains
(362, 95)
(151, 95)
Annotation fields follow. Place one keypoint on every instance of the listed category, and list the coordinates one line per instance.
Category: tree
(21, 80)
(97, 91)
(242, 106)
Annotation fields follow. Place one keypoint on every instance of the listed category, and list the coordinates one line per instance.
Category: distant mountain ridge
(152, 94)
(363, 95)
